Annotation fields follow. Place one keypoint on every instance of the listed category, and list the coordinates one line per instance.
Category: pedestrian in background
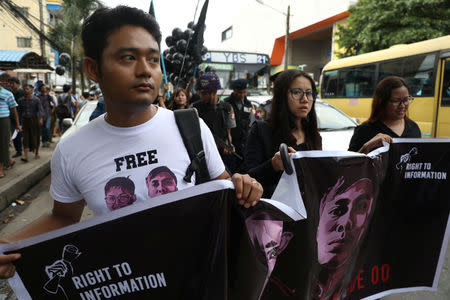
(179, 99)
(15, 88)
(243, 110)
(32, 113)
(64, 108)
(8, 106)
(218, 115)
(47, 106)
(292, 121)
(388, 118)
(53, 126)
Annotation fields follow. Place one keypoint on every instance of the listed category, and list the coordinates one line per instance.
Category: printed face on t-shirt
(117, 197)
(161, 184)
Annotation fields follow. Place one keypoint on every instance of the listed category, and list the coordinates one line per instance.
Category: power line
(21, 25)
(8, 5)
(16, 29)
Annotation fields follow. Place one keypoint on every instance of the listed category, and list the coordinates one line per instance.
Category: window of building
(24, 42)
(227, 34)
(23, 10)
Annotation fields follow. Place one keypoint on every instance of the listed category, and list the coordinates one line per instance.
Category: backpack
(62, 111)
(189, 126)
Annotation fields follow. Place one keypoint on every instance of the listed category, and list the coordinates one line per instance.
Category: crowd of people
(31, 115)
(141, 141)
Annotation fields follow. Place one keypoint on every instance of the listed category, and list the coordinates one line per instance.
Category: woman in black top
(292, 121)
(388, 117)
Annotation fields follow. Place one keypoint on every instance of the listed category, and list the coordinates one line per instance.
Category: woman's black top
(366, 131)
(258, 155)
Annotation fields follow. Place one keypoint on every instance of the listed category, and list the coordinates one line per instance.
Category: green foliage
(378, 24)
(68, 31)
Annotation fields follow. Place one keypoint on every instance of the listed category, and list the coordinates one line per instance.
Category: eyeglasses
(298, 94)
(406, 101)
(122, 199)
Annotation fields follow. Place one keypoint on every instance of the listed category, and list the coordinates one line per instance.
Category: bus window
(446, 86)
(357, 82)
(392, 68)
(418, 72)
(329, 85)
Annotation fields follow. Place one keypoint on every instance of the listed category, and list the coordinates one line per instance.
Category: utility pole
(41, 27)
(286, 41)
(41, 39)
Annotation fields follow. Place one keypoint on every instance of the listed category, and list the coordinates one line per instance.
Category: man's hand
(7, 269)
(248, 190)
(229, 150)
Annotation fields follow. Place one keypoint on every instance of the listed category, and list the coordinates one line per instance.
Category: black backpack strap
(189, 126)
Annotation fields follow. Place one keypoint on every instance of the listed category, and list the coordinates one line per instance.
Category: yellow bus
(349, 83)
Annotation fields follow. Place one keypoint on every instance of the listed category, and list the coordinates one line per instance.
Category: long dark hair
(281, 119)
(382, 95)
(172, 104)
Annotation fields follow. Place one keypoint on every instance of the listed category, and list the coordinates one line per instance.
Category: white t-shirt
(108, 166)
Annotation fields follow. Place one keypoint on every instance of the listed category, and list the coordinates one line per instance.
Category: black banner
(179, 247)
(375, 224)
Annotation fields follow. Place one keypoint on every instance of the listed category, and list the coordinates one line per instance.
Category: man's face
(130, 68)
(14, 86)
(240, 94)
(43, 90)
(208, 96)
(27, 90)
(116, 197)
(342, 223)
(161, 184)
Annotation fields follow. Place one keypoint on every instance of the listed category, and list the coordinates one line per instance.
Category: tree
(378, 24)
(68, 31)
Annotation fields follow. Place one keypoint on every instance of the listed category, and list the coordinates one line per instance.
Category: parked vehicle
(81, 119)
(336, 128)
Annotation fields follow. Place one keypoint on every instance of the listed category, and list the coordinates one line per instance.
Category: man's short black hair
(86, 94)
(66, 88)
(14, 79)
(124, 182)
(104, 21)
(161, 169)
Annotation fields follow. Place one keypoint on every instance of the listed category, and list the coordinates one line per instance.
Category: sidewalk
(24, 175)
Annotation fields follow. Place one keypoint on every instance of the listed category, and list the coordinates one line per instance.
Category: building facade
(260, 26)
(16, 27)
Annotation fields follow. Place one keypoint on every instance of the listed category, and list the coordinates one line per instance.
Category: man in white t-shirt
(105, 164)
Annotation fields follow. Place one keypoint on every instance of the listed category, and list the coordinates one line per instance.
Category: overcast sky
(178, 13)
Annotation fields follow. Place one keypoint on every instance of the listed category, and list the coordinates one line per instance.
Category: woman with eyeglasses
(388, 118)
(292, 121)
